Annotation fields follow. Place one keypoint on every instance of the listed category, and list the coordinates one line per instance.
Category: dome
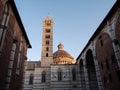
(62, 53)
(62, 57)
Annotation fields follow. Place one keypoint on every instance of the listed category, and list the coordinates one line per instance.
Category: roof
(101, 26)
(13, 6)
(61, 52)
(62, 57)
(31, 65)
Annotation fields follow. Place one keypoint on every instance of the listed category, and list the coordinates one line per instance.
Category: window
(47, 36)
(74, 74)
(101, 41)
(74, 86)
(107, 65)
(101, 65)
(118, 74)
(43, 76)
(104, 79)
(47, 48)
(81, 63)
(47, 42)
(116, 42)
(46, 54)
(47, 30)
(59, 74)
(31, 79)
(110, 78)
(113, 58)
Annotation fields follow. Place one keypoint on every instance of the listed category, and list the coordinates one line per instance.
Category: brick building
(13, 47)
(97, 66)
(99, 62)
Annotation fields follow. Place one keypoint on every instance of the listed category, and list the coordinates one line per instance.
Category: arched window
(46, 54)
(101, 41)
(107, 64)
(102, 67)
(47, 42)
(47, 36)
(43, 76)
(47, 30)
(74, 86)
(31, 79)
(47, 48)
(59, 74)
(81, 64)
(74, 74)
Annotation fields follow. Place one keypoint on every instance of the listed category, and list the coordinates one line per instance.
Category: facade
(99, 62)
(55, 71)
(96, 68)
(13, 47)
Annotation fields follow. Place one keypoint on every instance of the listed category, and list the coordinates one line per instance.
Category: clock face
(48, 22)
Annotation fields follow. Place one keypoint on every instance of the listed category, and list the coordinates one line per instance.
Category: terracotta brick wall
(108, 66)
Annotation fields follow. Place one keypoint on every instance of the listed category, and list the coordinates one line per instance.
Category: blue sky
(75, 21)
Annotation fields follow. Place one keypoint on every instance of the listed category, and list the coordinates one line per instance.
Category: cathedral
(96, 68)
(55, 71)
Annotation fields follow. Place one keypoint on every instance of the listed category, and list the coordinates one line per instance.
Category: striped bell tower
(47, 43)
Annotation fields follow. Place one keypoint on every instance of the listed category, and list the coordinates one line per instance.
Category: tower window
(43, 76)
(31, 79)
(47, 30)
(47, 42)
(46, 54)
(47, 36)
(47, 48)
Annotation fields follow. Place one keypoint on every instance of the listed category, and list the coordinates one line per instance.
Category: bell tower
(47, 43)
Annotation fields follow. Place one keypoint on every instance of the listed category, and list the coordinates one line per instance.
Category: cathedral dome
(62, 57)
